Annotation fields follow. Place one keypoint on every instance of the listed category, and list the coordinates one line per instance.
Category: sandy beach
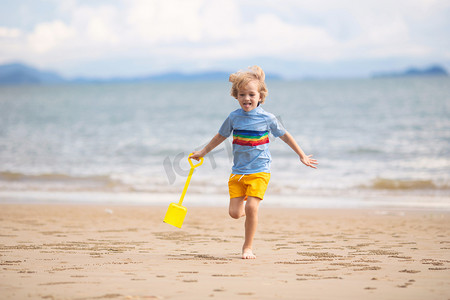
(127, 252)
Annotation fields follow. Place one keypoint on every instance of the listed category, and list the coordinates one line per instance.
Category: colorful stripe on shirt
(250, 137)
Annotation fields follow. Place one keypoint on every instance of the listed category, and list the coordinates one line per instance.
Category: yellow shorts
(253, 185)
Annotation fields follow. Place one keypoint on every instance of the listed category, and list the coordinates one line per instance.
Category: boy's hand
(216, 140)
(196, 155)
(307, 160)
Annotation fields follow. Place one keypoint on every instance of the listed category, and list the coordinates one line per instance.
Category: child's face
(249, 96)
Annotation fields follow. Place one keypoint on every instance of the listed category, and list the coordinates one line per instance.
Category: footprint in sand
(409, 271)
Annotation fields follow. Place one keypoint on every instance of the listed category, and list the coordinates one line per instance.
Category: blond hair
(240, 79)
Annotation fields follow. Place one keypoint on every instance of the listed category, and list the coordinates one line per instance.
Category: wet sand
(127, 252)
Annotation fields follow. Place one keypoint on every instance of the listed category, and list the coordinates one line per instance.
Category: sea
(380, 143)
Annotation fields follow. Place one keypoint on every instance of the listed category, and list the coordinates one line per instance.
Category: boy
(251, 169)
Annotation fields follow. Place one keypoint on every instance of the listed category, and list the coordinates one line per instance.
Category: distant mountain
(205, 76)
(17, 73)
(172, 76)
(434, 70)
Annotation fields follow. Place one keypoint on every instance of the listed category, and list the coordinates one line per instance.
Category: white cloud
(165, 21)
(174, 31)
(214, 29)
(49, 35)
(100, 26)
(221, 20)
(6, 32)
(294, 41)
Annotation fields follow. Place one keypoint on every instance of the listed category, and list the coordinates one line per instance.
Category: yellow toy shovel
(176, 212)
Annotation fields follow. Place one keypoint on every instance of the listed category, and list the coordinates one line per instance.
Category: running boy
(250, 126)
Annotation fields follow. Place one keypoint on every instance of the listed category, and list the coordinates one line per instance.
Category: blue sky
(321, 38)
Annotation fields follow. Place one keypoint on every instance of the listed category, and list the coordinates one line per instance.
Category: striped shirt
(251, 139)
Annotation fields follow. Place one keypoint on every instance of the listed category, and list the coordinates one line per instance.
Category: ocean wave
(134, 183)
(57, 181)
(366, 150)
(398, 184)
(15, 176)
(54, 182)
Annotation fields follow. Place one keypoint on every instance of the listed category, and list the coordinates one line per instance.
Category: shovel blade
(175, 215)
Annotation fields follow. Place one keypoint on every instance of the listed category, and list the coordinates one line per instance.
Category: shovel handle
(193, 166)
(191, 171)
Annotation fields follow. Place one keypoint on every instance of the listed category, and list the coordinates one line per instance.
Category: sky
(294, 39)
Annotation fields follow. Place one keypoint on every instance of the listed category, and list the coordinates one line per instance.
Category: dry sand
(119, 252)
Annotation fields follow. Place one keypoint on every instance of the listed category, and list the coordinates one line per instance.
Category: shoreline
(126, 252)
(383, 201)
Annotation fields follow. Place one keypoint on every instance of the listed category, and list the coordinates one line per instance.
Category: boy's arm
(305, 159)
(216, 141)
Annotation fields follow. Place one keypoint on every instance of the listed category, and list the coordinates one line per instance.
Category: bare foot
(248, 254)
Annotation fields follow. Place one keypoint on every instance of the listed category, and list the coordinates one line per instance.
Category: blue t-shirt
(251, 139)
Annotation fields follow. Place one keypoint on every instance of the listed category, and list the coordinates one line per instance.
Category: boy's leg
(236, 208)
(251, 222)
